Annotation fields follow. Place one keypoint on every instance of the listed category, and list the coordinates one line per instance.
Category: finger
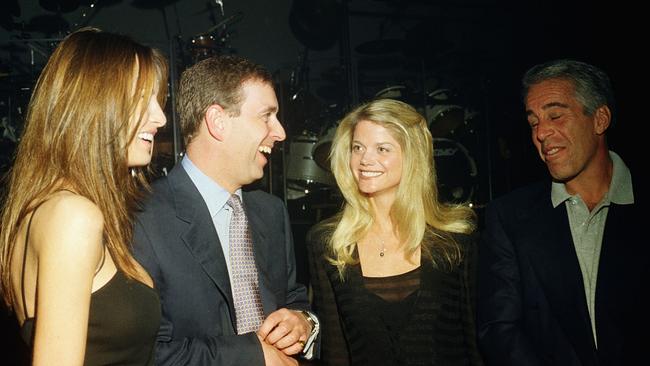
(278, 333)
(288, 340)
(269, 324)
(293, 349)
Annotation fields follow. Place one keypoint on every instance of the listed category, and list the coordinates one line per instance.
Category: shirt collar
(213, 194)
(620, 188)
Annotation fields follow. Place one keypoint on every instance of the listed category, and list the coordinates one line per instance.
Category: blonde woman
(67, 272)
(391, 272)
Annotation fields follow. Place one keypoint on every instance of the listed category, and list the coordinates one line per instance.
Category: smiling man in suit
(564, 264)
(225, 271)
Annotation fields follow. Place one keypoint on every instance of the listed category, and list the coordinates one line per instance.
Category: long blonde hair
(76, 137)
(420, 218)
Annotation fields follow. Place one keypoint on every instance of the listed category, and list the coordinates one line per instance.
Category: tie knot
(235, 203)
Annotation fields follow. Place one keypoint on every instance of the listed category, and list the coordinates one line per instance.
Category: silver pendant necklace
(382, 251)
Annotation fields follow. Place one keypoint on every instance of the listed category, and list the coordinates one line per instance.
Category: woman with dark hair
(67, 270)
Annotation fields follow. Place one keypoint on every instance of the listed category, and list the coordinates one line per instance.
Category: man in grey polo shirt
(563, 265)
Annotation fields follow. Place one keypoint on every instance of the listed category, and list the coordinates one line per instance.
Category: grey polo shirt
(587, 227)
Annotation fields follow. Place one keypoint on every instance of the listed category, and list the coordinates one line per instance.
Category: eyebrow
(548, 106)
(377, 144)
(269, 109)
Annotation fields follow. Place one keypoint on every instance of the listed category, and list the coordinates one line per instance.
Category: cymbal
(380, 46)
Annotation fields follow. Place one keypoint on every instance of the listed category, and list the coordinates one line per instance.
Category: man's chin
(561, 177)
(256, 175)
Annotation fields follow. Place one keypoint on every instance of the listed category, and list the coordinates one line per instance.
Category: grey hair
(593, 88)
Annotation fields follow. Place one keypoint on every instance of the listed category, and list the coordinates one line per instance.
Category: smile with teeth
(368, 174)
(264, 149)
(146, 136)
(552, 151)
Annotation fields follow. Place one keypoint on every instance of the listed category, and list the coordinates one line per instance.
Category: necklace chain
(382, 251)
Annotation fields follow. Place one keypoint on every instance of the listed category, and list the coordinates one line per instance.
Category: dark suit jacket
(532, 308)
(175, 240)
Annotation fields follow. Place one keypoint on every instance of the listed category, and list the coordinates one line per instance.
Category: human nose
(157, 115)
(277, 131)
(366, 157)
(543, 130)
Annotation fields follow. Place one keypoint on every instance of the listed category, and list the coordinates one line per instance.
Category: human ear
(602, 119)
(214, 120)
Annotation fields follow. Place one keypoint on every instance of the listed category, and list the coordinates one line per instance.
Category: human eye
(383, 149)
(357, 148)
(533, 122)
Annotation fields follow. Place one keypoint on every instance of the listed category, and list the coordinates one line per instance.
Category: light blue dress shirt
(215, 197)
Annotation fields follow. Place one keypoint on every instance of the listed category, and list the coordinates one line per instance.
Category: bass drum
(303, 173)
(456, 171)
(323, 147)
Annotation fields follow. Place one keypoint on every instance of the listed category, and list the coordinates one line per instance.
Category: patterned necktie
(245, 289)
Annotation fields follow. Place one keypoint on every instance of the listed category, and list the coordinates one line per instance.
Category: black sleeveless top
(123, 321)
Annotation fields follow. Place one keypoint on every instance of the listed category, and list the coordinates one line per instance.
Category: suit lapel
(555, 263)
(620, 273)
(200, 238)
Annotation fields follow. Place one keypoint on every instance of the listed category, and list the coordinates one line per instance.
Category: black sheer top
(422, 317)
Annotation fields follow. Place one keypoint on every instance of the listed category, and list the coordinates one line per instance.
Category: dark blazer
(175, 240)
(532, 308)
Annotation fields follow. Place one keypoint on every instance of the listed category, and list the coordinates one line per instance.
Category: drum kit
(214, 41)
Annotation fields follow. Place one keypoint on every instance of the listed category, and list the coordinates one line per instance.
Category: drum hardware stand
(177, 50)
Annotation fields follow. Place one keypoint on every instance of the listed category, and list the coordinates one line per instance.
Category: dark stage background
(459, 62)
